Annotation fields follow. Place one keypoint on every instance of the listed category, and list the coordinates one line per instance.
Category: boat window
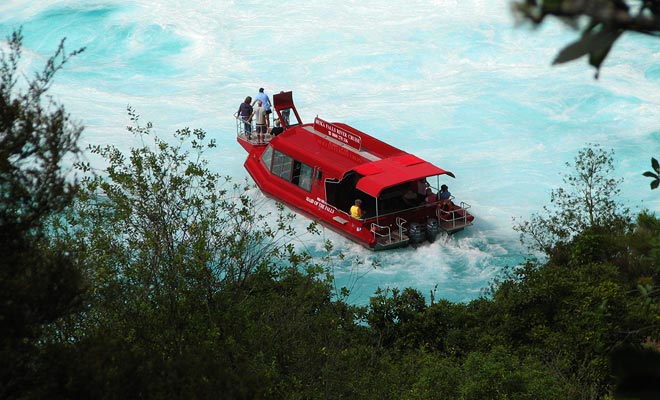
(286, 116)
(302, 175)
(306, 173)
(282, 165)
(267, 157)
(295, 178)
(291, 170)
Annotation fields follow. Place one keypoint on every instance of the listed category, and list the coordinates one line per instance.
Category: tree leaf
(598, 55)
(655, 165)
(650, 174)
(654, 184)
(597, 45)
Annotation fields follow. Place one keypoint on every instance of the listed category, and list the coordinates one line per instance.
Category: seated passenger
(444, 195)
(285, 115)
(410, 198)
(422, 185)
(356, 209)
(277, 129)
(446, 206)
(430, 198)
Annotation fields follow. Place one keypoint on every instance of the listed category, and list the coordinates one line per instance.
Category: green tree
(596, 293)
(501, 374)
(392, 314)
(588, 201)
(195, 289)
(577, 311)
(38, 284)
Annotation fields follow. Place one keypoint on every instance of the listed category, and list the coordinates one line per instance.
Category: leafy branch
(606, 20)
(656, 176)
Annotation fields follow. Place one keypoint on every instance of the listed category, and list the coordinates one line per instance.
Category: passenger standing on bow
(259, 115)
(265, 102)
(244, 112)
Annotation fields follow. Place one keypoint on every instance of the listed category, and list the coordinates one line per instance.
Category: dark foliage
(38, 284)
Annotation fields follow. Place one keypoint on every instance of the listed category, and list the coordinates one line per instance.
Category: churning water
(454, 82)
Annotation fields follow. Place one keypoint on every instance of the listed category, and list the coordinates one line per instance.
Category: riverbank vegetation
(156, 278)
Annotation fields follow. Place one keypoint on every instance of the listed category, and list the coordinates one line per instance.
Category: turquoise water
(453, 82)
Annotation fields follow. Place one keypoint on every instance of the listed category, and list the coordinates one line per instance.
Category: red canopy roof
(380, 175)
(380, 165)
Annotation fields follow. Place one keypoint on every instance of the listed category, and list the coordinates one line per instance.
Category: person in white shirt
(259, 115)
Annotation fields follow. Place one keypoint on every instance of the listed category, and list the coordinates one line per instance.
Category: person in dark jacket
(244, 112)
(277, 129)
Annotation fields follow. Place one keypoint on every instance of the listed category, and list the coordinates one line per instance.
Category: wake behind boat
(320, 169)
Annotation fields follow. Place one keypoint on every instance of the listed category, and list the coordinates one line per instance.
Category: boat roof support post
(377, 220)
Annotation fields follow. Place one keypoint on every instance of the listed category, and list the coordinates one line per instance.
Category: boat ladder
(384, 234)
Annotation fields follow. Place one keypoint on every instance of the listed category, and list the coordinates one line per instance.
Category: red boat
(321, 168)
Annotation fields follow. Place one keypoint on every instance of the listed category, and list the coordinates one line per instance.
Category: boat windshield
(290, 119)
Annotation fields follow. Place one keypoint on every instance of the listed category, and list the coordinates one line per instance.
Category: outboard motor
(416, 233)
(432, 229)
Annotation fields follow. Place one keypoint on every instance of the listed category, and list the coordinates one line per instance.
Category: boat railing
(400, 222)
(381, 231)
(403, 210)
(384, 231)
(454, 218)
(246, 130)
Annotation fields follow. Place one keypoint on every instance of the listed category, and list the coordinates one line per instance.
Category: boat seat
(340, 220)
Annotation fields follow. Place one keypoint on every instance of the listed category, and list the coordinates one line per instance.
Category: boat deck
(391, 241)
(362, 152)
(252, 138)
(453, 225)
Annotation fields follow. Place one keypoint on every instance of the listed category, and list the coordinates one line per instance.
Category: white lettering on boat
(321, 205)
(337, 133)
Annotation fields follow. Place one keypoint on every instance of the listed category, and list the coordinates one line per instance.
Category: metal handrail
(243, 134)
(240, 127)
(453, 220)
(422, 205)
(402, 210)
(400, 222)
(375, 229)
(385, 231)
